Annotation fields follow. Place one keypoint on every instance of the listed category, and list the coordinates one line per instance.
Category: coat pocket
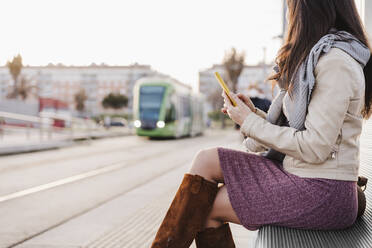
(334, 151)
(336, 147)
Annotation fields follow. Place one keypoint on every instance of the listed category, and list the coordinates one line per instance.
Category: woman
(314, 187)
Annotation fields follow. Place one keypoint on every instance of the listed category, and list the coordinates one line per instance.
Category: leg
(222, 210)
(217, 233)
(207, 164)
(192, 203)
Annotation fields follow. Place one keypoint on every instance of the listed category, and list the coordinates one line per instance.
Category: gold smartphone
(225, 88)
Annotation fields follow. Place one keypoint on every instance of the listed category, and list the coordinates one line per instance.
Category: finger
(230, 112)
(237, 99)
(227, 101)
(241, 97)
(242, 104)
(247, 103)
(247, 100)
(224, 95)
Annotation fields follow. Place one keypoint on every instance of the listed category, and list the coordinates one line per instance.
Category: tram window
(186, 107)
(171, 114)
(151, 98)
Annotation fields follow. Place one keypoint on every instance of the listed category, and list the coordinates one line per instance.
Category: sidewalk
(140, 228)
(30, 141)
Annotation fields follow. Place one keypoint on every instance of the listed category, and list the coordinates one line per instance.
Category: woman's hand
(247, 100)
(241, 111)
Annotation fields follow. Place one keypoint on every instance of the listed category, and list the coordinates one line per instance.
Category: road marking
(60, 182)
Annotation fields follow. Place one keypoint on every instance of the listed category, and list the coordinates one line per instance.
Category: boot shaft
(220, 237)
(187, 213)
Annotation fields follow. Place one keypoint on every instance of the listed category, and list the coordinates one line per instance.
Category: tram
(164, 107)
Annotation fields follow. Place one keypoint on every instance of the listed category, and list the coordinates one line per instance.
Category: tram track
(75, 178)
(22, 165)
(127, 155)
(11, 166)
(117, 165)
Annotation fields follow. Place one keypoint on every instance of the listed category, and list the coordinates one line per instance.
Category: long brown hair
(308, 21)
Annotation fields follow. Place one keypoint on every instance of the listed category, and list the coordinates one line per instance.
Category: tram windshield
(151, 98)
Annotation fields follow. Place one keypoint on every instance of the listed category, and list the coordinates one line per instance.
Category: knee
(205, 157)
(202, 155)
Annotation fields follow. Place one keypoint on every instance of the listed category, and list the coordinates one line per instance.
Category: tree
(80, 98)
(115, 101)
(216, 99)
(15, 67)
(24, 88)
(234, 65)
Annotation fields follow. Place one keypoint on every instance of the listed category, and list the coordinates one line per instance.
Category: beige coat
(329, 147)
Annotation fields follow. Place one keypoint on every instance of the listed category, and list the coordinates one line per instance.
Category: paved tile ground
(139, 230)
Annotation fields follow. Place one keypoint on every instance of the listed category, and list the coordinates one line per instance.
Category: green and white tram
(164, 107)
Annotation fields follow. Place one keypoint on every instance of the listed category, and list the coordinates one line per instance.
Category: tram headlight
(160, 124)
(137, 123)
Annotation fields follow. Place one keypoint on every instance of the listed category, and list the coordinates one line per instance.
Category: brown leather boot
(187, 213)
(362, 182)
(219, 237)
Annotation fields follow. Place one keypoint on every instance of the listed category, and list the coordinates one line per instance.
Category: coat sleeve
(251, 144)
(326, 112)
(261, 113)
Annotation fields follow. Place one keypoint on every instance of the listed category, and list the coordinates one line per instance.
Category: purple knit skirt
(262, 193)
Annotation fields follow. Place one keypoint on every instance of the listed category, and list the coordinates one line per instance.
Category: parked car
(118, 122)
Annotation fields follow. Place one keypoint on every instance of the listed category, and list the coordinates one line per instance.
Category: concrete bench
(357, 236)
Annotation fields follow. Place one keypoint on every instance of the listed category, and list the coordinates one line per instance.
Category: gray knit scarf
(304, 80)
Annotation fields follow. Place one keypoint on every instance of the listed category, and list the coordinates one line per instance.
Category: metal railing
(45, 126)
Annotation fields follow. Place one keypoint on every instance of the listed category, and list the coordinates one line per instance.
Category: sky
(175, 37)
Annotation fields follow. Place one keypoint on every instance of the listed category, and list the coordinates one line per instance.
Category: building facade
(63, 82)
